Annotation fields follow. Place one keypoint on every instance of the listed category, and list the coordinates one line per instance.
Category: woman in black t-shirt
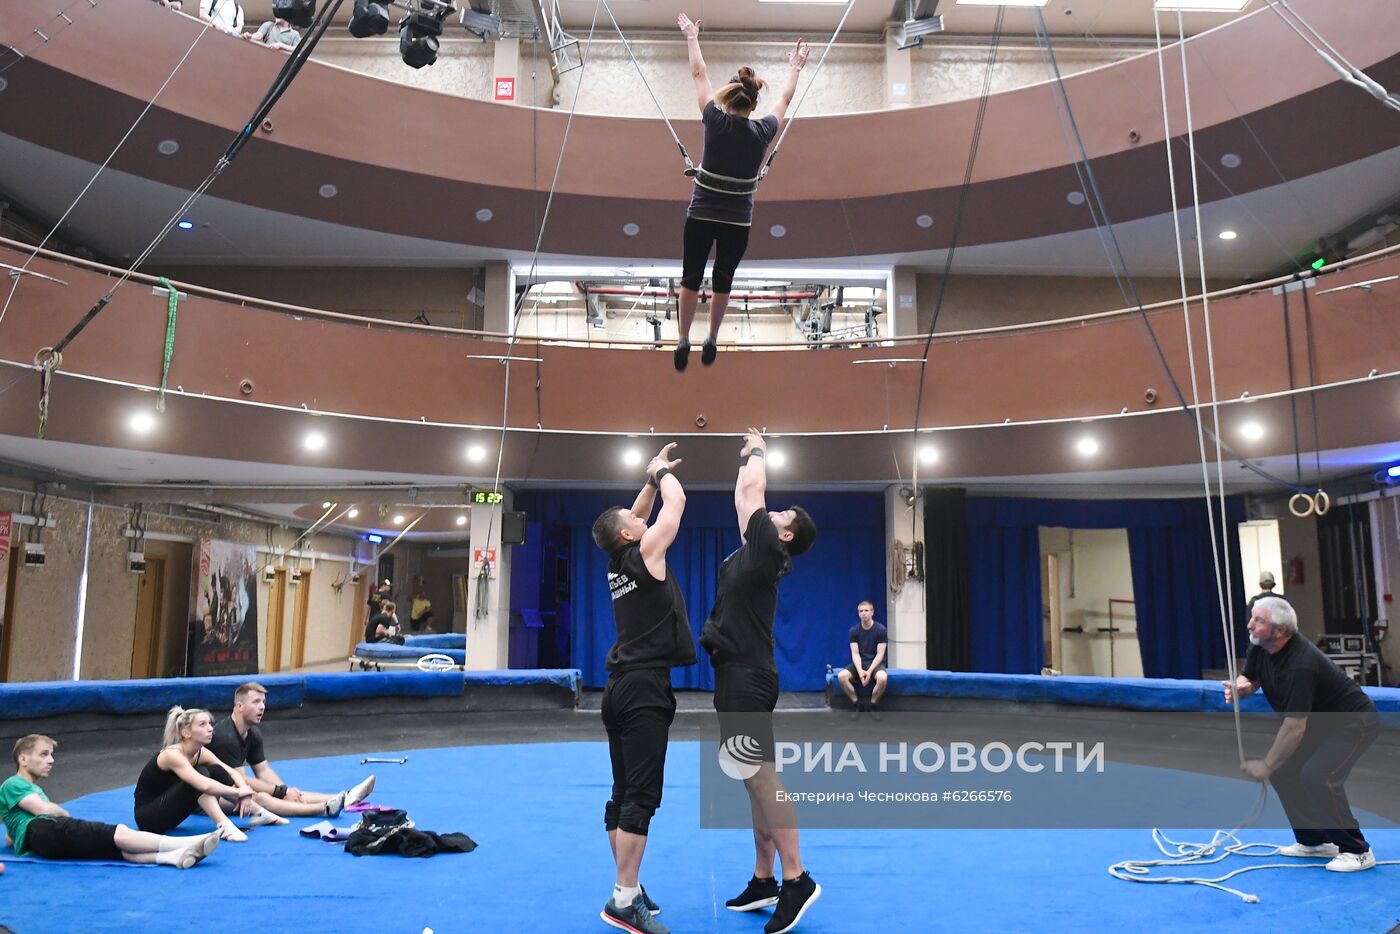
(721, 206)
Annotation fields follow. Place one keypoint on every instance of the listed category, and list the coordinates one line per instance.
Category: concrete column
(488, 602)
(507, 69)
(904, 303)
(904, 611)
(899, 70)
(500, 298)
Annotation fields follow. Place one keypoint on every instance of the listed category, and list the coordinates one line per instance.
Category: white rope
(101, 168)
(641, 74)
(1340, 64)
(791, 118)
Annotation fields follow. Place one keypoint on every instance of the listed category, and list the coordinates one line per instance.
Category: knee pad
(692, 281)
(612, 812)
(636, 817)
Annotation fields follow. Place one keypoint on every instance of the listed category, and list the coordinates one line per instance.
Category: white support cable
(641, 74)
(792, 118)
(102, 168)
(1338, 62)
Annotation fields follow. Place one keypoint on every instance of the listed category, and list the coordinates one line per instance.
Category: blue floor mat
(543, 865)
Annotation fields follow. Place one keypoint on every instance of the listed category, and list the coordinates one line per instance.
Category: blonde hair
(252, 687)
(26, 744)
(740, 95)
(178, 720)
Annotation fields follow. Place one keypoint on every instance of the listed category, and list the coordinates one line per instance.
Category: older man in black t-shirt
(653, 636)
(739, 638)
(1328, 724)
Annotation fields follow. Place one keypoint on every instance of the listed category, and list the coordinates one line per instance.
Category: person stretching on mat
(185, 777)
(739, 637)
(653, 636)
(1328, 724)
(36, 825)
(238, 741)
(721, 206)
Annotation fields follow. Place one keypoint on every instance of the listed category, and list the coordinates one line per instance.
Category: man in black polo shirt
(739, 638)
(653, 636)
(238, 741)
(1329, 722)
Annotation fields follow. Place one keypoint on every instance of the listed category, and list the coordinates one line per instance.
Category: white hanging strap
(787, 124)
(690, 166)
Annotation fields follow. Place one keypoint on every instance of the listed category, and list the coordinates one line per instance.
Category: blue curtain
(816, 602)
(1173, 570)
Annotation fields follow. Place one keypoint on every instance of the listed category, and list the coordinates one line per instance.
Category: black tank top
(653, 630)
(154, 781)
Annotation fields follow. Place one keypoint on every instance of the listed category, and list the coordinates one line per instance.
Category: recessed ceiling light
(352, 513)
(631, 457)
(326, 505)
(775, 458)
(141, 422)
(924, 220)
(1252, 431)
(1075, 197)
(778, 230)
(1087, 446)
(314, 441)
(461, 520)
(185, 225)
(1230, 160)
(1198, 6)
(398, 520)
(328, 191)
(1228, 235)
(928, 454)
(167, 147)
(631, 229)
(476, 453)
(484, 215)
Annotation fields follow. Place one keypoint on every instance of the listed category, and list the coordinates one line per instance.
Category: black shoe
(652, 906)
(793, 901)
(855, 711)
(635, 918)
(682, 354)
(760, 893)
(707, 351)
(874, 712)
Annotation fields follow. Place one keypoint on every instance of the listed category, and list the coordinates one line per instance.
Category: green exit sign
(485, 498)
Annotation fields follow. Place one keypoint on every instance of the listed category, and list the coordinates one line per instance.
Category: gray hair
(1281, 613)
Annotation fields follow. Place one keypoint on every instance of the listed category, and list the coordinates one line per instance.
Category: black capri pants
(638, 708)
(70, 838)
(729, 241)
(169, 809)
(745, 698)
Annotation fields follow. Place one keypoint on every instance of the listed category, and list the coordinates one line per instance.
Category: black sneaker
(635, 918)
(760, 893)
(793, 901)
(652, 906)
(874, 712)
(682, 354)
(707, 351)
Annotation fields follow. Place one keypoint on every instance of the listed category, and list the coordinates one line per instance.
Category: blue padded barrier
(563, 677)
(389, 652)
(335, 686)
(45, 698)
(1122, 693)
(437, 640)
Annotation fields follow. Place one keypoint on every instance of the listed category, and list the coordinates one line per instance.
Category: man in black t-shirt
(1329, 722)
(869, 642)
(384, 625)
(238, 742)
(1266, 589)
(739, 638)
(653, 636)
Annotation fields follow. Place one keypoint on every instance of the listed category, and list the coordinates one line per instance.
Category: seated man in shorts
(35, 825)
(238, 742)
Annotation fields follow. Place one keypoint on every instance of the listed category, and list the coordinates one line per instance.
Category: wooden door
(150, 611)
(299, 610)
(276, 604)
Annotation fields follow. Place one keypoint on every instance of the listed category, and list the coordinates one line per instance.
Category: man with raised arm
(739, 638)
(653, 636)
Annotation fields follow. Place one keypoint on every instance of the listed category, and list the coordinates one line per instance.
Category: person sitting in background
(384, 626)
(867, 668)
(276, 34)
(36, 825)
(420, 613)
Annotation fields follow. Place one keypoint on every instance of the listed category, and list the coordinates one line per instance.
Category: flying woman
(721, 207)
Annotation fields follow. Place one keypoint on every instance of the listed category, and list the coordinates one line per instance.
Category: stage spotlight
(369, 19)
(418, 39)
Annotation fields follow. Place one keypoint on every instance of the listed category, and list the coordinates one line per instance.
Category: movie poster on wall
(223, 637)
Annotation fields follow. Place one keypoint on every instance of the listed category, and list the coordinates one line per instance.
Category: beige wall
(852, 78)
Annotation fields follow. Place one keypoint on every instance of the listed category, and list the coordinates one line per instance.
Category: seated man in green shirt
(35, 825)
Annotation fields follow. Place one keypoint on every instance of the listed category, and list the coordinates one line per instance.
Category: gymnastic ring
(47, 358)
(1293, 508)
(1322, 503)
(436, 661)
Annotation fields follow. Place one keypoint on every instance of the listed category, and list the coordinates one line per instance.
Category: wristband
(280, 791)
(656, 480)
(756, 452)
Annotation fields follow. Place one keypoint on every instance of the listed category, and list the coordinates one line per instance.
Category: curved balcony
(853, 185)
